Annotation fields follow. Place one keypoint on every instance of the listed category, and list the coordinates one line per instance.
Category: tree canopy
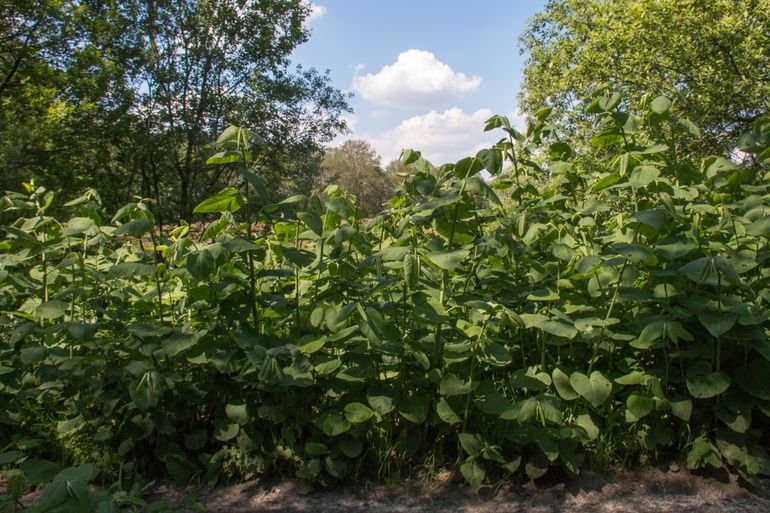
(712, 59)
(125, 95)
(355, 166)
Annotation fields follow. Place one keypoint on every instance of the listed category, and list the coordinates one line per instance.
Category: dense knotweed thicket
(600, 313)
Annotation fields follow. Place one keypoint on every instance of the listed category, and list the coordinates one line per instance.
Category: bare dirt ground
(646, 490)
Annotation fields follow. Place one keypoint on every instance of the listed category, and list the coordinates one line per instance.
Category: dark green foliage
(615, 314)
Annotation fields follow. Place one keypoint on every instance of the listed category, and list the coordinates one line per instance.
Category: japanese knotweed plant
(559, 314)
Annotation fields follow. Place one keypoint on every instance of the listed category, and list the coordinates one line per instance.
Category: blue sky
(425, 74)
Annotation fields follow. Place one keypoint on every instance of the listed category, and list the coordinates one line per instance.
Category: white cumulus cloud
(316, 12)
(416, 79)
(440, 137)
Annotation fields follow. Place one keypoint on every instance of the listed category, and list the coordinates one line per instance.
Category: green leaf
(639, 405)
(335, 466)
(334, 424)
(226, 157)
(315, 449)
(446, 413)
(660, 105)
(563, 386)
(227, 200)
(690, 126)
(682, 408)
(466, 167)
(79, 225)
(595, 389)
(436, 203)
(759, 227)
(491, 160)
(357, 413)
(702, 383)
(135, 228)
(587, 423)
(382, 402)
(200, 264)
(312, 221)
(471, 444)
(226, 431)
(414, 408)
(179, 342)
(310, 344)
(605, 182)
(448, 260)
(559, 328)
(52, 309)
(9, 457)
(473, 473)
(452, 385)
(237, 413)
(718, 323)
(350, 446)
(39, 471)
(643, 176)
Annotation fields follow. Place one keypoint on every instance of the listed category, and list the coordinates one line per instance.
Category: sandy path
(647, 490)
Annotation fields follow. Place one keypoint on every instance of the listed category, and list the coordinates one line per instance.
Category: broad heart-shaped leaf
(682, 408)
(595, 389)
(473, 473)
(78, 225)
(237, 413)
(357, 413)
(336, 466)
(446, 413)
(468, 166)
(660, 105)
(702, 383)
(414, 408)
(52, 309)
(587, 423)
(312, 221)
(718, 323)
(471, 444)
(643, 176)
(559, 328)
(491, 160)
(200, 264)
(759, 227)
(448, 260)
(563, 386)
(135, 228)
(179, 342)
(227, 200)
(334, 424)
(453, 385)
(383, 402)
(639, 405)
(315, 449)
(39, 471)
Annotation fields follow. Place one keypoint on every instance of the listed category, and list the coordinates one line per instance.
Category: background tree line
(710, 58)
(124, 96)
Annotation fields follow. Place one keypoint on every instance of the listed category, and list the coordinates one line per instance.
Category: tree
(216, 62)
(126, 95)
(65, 92)
(355, 166)
(711, 58)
